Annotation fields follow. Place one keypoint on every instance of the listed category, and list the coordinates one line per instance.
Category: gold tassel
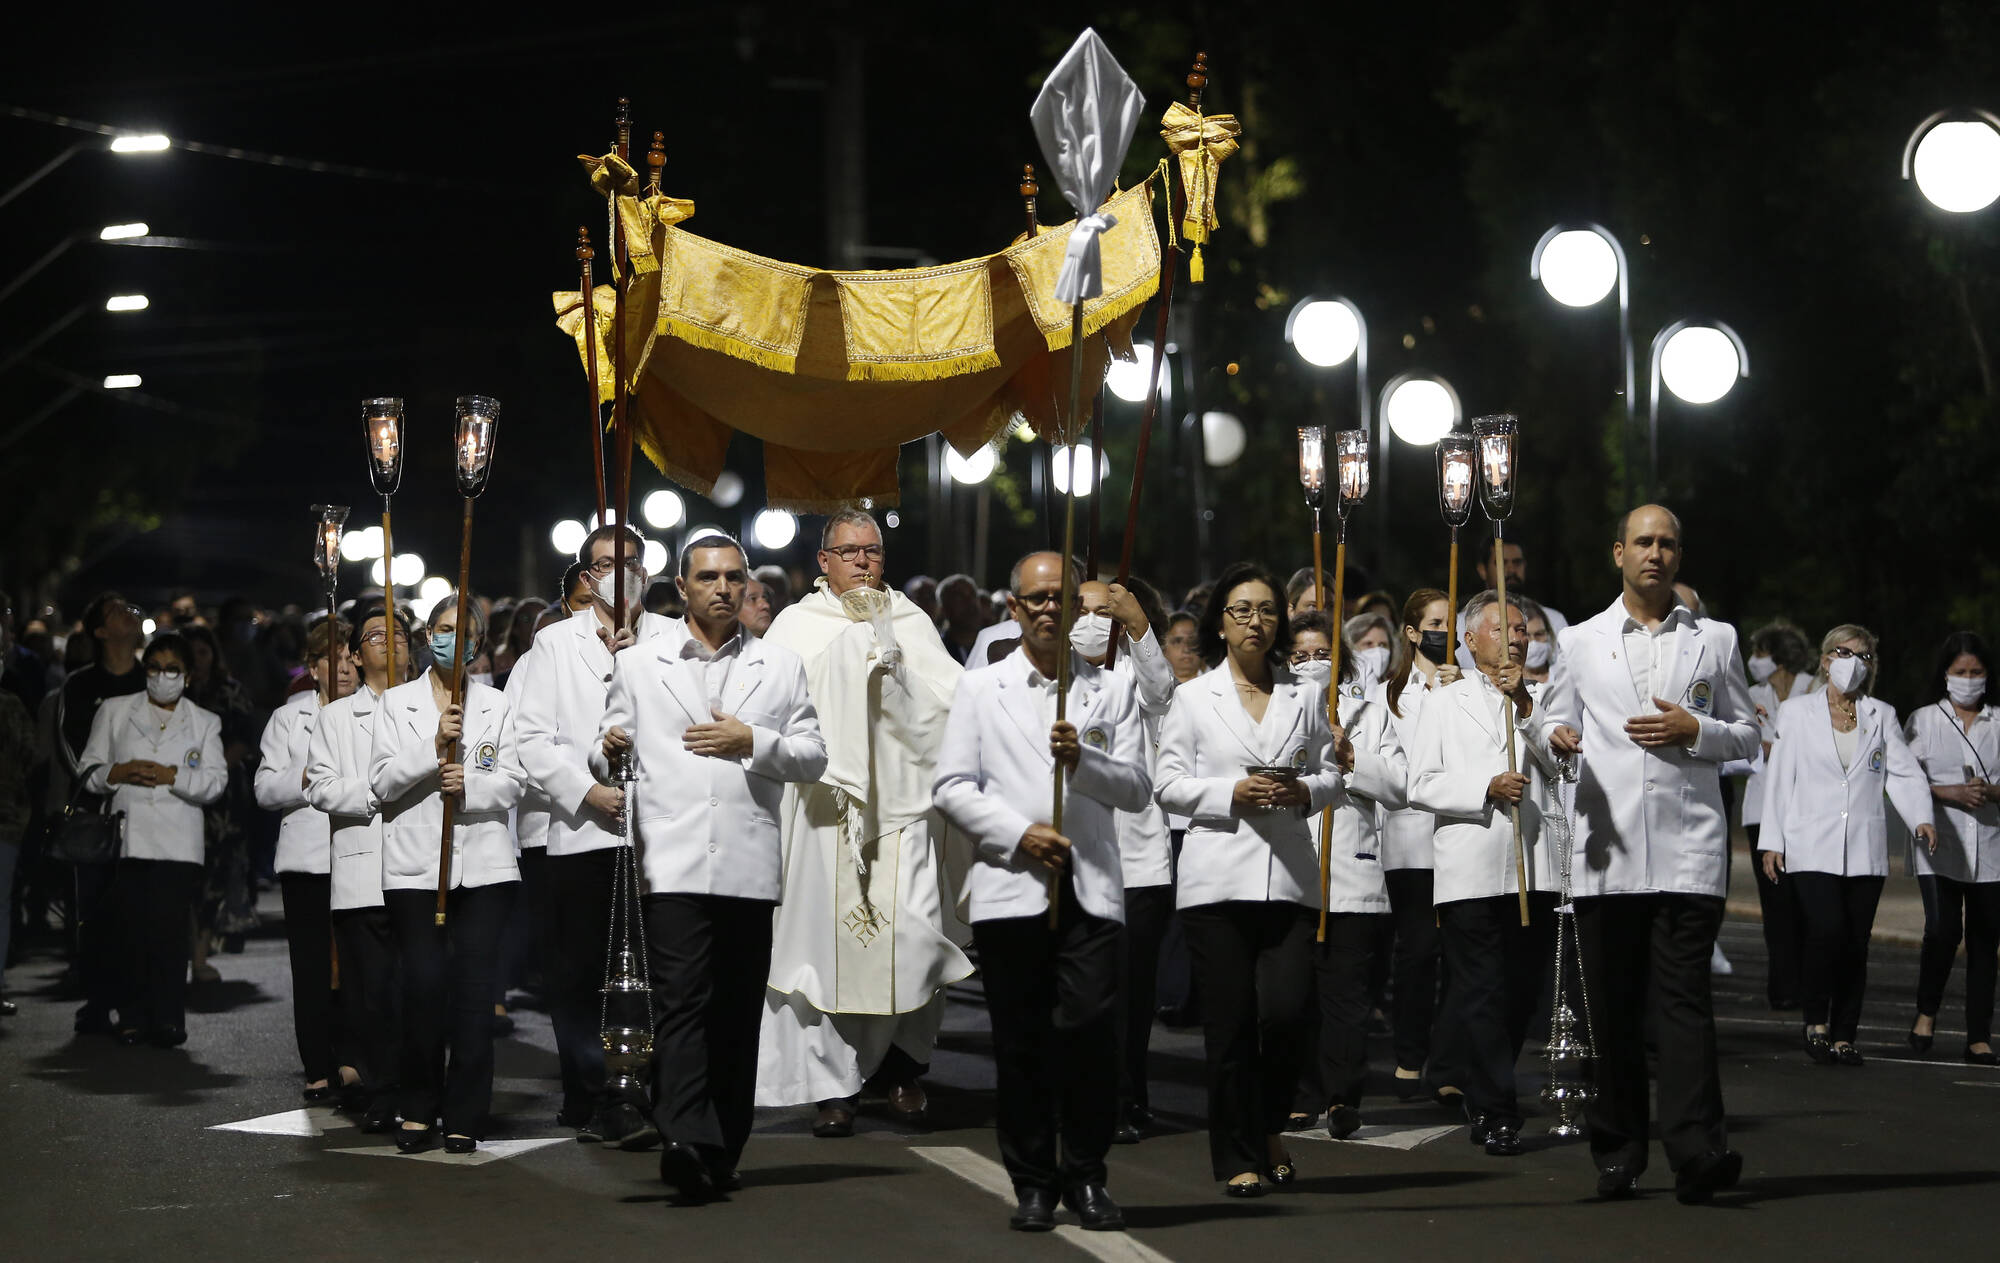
(1194, 266)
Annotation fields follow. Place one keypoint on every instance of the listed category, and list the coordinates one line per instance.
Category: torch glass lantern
(1498, 442)
(1456, 466)
(478, 417)
(1350, 449)
(1312, 464)
(326, 541)
(382, 428)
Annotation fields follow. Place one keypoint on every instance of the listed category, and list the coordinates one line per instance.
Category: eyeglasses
(1842, 651)
(165, 673)
(382, 638)
(1243, 612)
(1038, 600)
(1313, 655)
(1181, 641)
(849, 552)
(605, 565)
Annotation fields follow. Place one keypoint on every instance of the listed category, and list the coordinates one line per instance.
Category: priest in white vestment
(867, 936)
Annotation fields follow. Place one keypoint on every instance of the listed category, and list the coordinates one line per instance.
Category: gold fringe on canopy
(1200, 142)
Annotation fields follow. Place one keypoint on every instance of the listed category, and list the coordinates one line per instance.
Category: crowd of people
(839, 795)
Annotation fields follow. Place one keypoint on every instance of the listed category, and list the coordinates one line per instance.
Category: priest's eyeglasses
(1243, 613)
(850, 552)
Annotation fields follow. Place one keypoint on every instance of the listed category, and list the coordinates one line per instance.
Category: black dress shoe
(1503, 1141)
(1477, 1127)
(1139, 1116)
(1920, 1043)
(1282, 1174)
(168, 1036)
(1126, 1134)
(1818, 1047)
(93, 1021)
(317, 1096)
(414, 1139)
(834, 1122)
(683, 1169)
(1342, 1121)
(727, 1181)
(1248, 1188)
(1849, 1055)
(1701, 1178)
(460, 1144)
(381, 1115)
(130, 1037)
(1094, 1208)
(8, 1008)
(1987, 1058)
(1035, 1211)
(1617, 1183)
(1409, 1088)
(626, 1127)
(577, 1116)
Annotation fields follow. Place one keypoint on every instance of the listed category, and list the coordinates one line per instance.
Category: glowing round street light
(654, 557)
(728, 489)
(408, 570)
(663, 510)
(568, 535)
(973, 469)
(1955, 160)
(773, 529)
(1324, 331)
(1420, 410)
(1060, 461)
(1128, 379)
(1577, 266)
(435, 588)
(1699, 363)
(1223, 438)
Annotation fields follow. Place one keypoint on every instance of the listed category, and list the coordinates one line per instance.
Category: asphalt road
(112, 1153)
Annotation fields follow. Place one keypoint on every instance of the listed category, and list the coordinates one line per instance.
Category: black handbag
(87, 835)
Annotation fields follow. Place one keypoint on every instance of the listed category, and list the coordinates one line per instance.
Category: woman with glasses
(159, 756)
(1956, 737)
(1246, 753)
(1826, 832)
(302, 862)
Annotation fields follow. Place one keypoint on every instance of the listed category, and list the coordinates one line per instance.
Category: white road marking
(984, 1173)
(488, 1151)
(300, 1122)
(1383, 1135)
(1976, 1083)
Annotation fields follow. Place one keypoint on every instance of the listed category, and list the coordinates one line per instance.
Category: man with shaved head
(1650, 699)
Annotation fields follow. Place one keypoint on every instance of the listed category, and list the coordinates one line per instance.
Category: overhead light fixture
(123, 381)
(149, 142)
(127, 302)
(122, 232)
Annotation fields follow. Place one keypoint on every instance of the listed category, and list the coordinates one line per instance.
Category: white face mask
(1965, 690)
(1846, 674)
(606, 587)
(1539, 652)
(1762, 667)
(1090, 634)
(1371, 663)
(1318, 670)
(166, 687)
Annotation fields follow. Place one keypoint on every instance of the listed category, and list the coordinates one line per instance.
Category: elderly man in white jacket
(1654, 700)
(1458, 770)
(719, 722)
(1050, 989)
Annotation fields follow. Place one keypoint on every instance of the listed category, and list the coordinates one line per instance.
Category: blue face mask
(442, 645)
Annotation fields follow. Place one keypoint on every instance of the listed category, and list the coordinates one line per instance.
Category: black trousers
(526, 936)
(447, 1058)
(1836, 916)
(155, 898)
(1254, 961)
(579, 924)
(370, 996)
(100, 954)
(710, 957)
(1176, 976)
(1052, 998)
(1333, 1061)
(1147, 910)
(1636, 949)
(1413, 963)
(1781, 931)
(1955, 909)
(309, 942)
(1497, 968)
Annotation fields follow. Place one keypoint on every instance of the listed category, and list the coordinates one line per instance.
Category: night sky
(1406, 157)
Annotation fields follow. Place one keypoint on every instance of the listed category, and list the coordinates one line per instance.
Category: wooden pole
(458, 665)
(1507, 721)
(1029, 189)
(585, 285)
(1451, 600)
(1096, 457)
(621, 275)
(1068, 577)
(389, 592)
(332, 622)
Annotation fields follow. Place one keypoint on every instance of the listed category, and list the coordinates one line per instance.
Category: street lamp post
(1578, 264)
(1699, 363)
(1954, 158)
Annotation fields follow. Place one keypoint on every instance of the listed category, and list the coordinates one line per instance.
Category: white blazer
(1206, 747)
(337, 784)
(278, 784)
(1406, 831)
(403, 772)
(1460, 747)
(709, 826)
(1145, 841)
(1649, 820)
(1968, 841)
(1378, 785)
(560, 689)
(531, 812)
(162, 822)
(995, 777)
(1825, 818)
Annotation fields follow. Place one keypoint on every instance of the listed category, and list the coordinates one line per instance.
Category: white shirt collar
(1678, 615)
(693, 648)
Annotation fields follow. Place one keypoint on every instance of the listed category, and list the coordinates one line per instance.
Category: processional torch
(1084, 118)
(1497, 440)
(382, 430)
(1350, 454)
(478, 420)
(1568, 1084)
(326, 555)
(1456, 462)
